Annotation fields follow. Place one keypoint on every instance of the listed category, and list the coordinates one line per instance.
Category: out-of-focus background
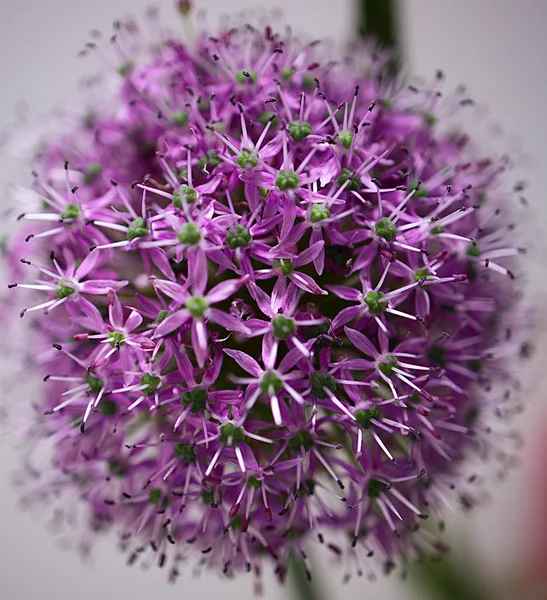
(498, 48)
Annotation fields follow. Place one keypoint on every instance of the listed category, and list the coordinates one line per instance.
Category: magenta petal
(225, 289)
(172, 289)
(133, 321)
(361, 342)
(227, 321)
(115, 311)
(309, 254)
(172, 322)
(306, 283)
(101, 286)
(346, 293)
(87, 265)
(246, 362)
(345, 316)
(199, 341)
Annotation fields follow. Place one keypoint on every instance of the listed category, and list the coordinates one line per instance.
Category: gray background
(497, 47)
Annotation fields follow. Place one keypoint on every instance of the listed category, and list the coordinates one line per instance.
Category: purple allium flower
(277, 306)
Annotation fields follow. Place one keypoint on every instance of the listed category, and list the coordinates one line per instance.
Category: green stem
(378, 19)
(302, 587)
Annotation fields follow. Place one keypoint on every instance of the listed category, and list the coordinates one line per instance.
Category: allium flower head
(272, 305)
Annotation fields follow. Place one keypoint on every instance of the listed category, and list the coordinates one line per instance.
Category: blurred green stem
(302, 588)
(378, 19)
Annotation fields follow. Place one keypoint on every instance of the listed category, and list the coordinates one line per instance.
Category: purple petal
(289, 216)
(115, 310)
(345, 316)
(319, 261)
(357, 364)
(261, 298)
(225, 289)
(265, 226)
(133, 321)
(197, 271)
(101, 286)
(172, 289)
(210, 186)
(172, 322)
(291, 359)
(346, 293)
(160, 260)
(361, 342)
(199, 341)
(246, 362)
(227, 321)
(87, 265)
(306, 283)
(309, 254)
(278, 293)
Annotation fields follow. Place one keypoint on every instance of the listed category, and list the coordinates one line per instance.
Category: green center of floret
(266, 116)
(354, 182)
(287, 74)
(299, 130)
(63, 291)
(287, 180)
(185, 452)
(180, 118)
(115, 468)
(137, 229)
(363, 416)
(388, 365)
(346, 137)
(230, 434)
(319, 381)
(162, 315)
(189, 194)
(247, 158)
(154, 498)
(271, 384)
(301, 439)
(375, 488)
(108, 408)
(385, 229)
(437, 354)
(418, 188)
(421, 274)
(211, 159)
(189, 234)
(474, 251)
(238, 238)
(196, 397)
(246, 75)
(70, 211)
(92, 173)
(197, 305)
(151, 382)
(95, 385)
(374, 302)
(116, 338)
(319, 213)
(283, 327)
(284, 266)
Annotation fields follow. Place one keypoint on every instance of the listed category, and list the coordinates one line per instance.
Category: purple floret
(273, 304)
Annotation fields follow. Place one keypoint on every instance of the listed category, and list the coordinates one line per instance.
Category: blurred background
(498, 48)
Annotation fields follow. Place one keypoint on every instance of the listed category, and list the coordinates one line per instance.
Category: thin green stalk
(377, 19)
(302, 587)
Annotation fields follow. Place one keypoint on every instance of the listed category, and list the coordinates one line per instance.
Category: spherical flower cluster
(272, 304)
